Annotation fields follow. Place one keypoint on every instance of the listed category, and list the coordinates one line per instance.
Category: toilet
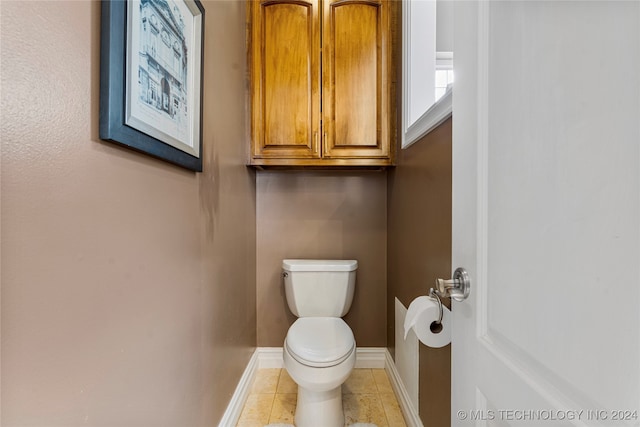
(319, 349)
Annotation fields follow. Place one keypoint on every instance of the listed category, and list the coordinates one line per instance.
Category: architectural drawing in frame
(163, 71)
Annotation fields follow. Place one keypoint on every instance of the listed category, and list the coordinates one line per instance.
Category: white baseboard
(270, 357)
(234, 408)
(370, 357)
(366, 358)
(410, 413)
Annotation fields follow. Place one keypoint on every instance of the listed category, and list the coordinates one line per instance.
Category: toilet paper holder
(434, 295)
(457, 288)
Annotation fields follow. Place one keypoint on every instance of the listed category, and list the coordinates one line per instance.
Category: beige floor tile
(284, 408)
(392, 410)
(364, 408)
(360, 381)
(250, 424)
(257, 408)
(266, 381)
(286, 384)
(382, 381)
(367, 398)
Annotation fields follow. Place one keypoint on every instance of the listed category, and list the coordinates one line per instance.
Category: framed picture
(151, 63)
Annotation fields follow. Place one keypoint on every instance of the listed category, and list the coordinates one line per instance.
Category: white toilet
(319, 350)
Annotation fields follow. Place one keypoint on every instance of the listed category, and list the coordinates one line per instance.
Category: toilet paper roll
(422, 312)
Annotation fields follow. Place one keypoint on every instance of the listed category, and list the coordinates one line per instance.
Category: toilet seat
(320, 342)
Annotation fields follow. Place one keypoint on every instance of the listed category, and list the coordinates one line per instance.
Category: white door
(546, 213)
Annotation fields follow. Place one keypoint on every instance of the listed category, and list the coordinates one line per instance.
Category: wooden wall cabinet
(320, 83)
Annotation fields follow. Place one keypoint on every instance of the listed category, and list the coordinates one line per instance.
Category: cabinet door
(285, 62)
(356, 86)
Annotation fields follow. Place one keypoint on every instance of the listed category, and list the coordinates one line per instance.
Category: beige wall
(419, 192)
(339, 215)
(128, 284)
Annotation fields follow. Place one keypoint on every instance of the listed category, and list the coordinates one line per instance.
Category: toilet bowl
(319, 349)
(319, 354)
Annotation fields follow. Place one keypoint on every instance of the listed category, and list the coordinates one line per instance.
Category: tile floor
(367, 397)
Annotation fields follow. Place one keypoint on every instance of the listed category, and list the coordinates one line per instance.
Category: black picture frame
(113, 97)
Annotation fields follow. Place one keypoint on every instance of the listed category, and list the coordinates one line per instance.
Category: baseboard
(366, 358)
(410, 413)
(270, 357)
(370, 357)
(240, 395)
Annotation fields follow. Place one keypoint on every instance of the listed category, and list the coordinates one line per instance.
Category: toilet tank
(319, 288)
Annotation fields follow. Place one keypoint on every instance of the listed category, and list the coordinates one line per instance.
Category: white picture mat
(149, 120)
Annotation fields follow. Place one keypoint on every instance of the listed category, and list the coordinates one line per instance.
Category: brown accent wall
(128, 284)
(339, 215)
(419, 242)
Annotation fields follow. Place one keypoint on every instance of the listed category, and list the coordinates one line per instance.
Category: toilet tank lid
(319, 264)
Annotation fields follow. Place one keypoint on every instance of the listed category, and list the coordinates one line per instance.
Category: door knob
(456, 288)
